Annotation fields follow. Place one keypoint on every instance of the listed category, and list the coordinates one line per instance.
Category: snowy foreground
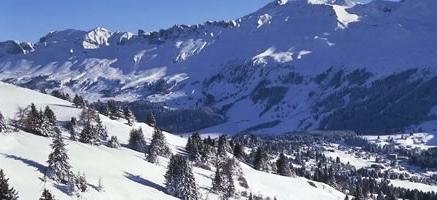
(125, 173)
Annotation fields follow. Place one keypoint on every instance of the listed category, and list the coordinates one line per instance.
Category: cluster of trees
(113, 110)
(38, 122)
(6, 192)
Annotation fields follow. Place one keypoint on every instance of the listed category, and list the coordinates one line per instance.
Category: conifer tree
(223, 182)
(100, 186)
(150, 119)
(238, 151)
(81, 182)
(194, 146)
(113, 142)
(114, 110)
(260, 162)
(222, 146)
(71, 127)
(51, 117)
(283, 166)
(129, 116)
(78, 101)
(179, 179)
(46, 195)
(100, 130)
(89, 135)
(158, 146)
(6, 192)
(3, 124)
(59, 168)
(136, 140)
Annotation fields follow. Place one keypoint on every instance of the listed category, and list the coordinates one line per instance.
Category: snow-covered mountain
(292, 65)
(125, 173)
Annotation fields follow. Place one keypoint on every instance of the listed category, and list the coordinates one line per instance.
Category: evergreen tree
(46, 195)
(238, 151)
(114, 110)
(6, 192)
(51, 117)
(260, 161)
(59, 168)
(179, 179)
(81, 183)
(158, 146)
(136, 140)
(223, 146)
(113, 142)
(89, 135)
(100, 187)
(3, 124)
(150, 119)
(223, 180)
(194, 146)
(100, 130)
(37, 123)
(78, 101)
(283, 166)
(71, 127)
(129, 116)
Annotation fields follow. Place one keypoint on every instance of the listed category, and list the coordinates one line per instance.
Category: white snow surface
(125, 173)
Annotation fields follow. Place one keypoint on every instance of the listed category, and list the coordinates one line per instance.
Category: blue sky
(28, 20)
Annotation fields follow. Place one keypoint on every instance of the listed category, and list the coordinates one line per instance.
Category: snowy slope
(125, 173)
(291, 65)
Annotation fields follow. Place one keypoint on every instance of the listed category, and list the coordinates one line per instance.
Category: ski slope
(125, 173)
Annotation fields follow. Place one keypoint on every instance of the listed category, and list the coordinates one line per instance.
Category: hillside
(125, 173)
(291, 66)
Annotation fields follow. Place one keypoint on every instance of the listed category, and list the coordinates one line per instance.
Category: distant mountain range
(290, 66)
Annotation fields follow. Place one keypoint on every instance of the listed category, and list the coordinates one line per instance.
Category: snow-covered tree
(113, 142)
(136, 140)
(46, 195)
(58, 167)
(260, 161)
(100, 186)
(78, 101)
(38, 123)
(3, 124)
(89, 135)
(51, 117)
(194, 146)
(129, 116)
(283, 166)
(223, 146)
(158, 146)
(81, 182)
(72, 129)
(6, 192)
(101, 130)
(114, 110)
(179, 179)
(150, 119)
(223, 182)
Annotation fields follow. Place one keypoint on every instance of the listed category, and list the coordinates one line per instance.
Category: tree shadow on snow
(40, 167)
(142, 181)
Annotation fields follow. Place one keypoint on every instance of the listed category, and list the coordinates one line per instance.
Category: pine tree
(89, 135)
(81, 182)
(223, 146)
(158, 146)
(100, 130)
(78, 101)
(283, 166)
(59, 168)
(260, 162)
(113, 142)
(38, 123)
(238, 151)
(150, 119)
(46, 195)
(71, 127)
(51, 117)
(136, 140)
(129, 116)
(179, 179)
(114, 110)
(194, 146)
(3, 124)
(223, 180)
(6, 192)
